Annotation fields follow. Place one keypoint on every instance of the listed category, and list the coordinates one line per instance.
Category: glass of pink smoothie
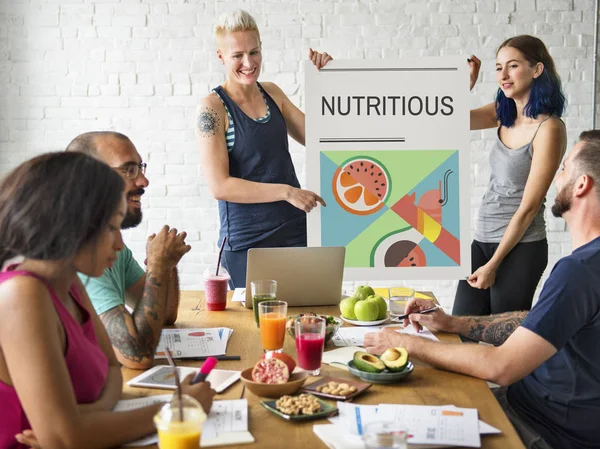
(310, 342)
(215, 288)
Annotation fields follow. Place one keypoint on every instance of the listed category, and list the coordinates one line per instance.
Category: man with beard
(549, 358)
(153, 295)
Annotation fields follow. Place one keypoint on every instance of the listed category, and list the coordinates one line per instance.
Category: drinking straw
(220, 254)
(177, 382)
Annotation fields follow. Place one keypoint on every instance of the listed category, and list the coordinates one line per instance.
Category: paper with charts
(388, 150)
(436, 425)
(355, 336)
(227, 421)
(428, 426)
(196, 342)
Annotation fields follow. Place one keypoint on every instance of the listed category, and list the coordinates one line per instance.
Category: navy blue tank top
(260, 154)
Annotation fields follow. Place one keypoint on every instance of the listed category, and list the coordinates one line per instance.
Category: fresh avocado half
(395, 359)
(367, 362)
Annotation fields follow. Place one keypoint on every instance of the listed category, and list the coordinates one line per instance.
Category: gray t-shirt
(509, 173)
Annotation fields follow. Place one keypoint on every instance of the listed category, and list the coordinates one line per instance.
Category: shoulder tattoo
(207, 121)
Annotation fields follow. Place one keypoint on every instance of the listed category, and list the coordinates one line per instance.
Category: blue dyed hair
(546, 96)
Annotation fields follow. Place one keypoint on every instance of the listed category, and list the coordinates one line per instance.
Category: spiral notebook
(227, 422)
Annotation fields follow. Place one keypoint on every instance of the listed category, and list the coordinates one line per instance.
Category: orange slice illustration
(361, 186)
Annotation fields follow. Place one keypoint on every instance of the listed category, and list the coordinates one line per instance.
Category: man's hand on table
(378, 342)
(200, 392)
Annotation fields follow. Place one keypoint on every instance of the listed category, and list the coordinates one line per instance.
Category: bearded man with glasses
(152, 295)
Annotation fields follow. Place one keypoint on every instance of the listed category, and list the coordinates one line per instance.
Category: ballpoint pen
(218, 357)
(431, 309)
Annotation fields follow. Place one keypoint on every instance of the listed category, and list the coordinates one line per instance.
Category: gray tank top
(509, 173)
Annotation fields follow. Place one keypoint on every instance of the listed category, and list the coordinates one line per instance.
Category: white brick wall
(139, 67)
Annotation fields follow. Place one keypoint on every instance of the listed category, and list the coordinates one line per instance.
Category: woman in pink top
(62, 213)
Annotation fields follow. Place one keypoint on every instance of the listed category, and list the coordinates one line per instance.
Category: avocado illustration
(367, 362)
(395, 359)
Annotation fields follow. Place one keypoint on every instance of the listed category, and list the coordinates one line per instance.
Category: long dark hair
(546, 96)
(53, 204)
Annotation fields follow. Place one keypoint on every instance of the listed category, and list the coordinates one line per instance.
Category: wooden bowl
(274, 390)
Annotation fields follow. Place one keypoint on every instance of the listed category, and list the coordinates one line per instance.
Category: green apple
(381, 304)
(362, 292)
(347, 307)
(366, 310)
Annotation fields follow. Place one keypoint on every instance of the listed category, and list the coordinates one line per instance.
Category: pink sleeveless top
(87, 365)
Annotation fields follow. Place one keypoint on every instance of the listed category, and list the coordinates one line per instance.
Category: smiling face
(514, 73)
(240, 52)
(101, 253)
(119, 153)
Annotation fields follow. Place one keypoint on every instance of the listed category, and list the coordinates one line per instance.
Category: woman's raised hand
(318, 59)
(474, 66)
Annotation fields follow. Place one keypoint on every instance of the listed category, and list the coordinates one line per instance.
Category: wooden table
(425, 386)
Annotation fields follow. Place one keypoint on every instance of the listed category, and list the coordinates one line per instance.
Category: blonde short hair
(232, 21)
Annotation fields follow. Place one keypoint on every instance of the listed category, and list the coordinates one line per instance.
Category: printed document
(355, 336)
(194, 342)
(227, 422)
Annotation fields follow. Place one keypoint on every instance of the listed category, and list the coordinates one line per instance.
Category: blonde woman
(242, 129)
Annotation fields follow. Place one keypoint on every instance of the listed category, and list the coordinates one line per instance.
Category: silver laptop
(305, 276)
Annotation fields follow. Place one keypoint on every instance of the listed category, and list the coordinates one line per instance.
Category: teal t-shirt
(108, 290)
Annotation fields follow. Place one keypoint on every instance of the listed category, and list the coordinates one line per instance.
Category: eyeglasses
(131, 170)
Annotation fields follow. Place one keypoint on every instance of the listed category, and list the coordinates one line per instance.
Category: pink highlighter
(205, 370)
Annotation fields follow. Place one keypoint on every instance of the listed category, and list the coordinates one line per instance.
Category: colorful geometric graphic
(392, 208)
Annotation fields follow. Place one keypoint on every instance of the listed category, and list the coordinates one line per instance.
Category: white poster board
(388, 150)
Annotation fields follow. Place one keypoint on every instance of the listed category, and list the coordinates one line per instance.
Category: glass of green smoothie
(263, 290)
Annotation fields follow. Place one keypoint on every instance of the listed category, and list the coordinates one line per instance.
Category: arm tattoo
(139, 339)
(207, 122)
(173, 298)
(494, 329)
(131, 347)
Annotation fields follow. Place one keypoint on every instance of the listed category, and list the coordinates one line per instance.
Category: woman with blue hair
(510, 250)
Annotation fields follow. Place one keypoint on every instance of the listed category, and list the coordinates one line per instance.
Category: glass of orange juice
(175, 432)
(272, 317)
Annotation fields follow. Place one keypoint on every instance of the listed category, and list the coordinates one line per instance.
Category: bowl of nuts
(300, 408)
(336, 388)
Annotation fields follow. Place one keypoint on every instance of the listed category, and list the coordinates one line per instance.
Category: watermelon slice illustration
(399, 248)
(361, 185)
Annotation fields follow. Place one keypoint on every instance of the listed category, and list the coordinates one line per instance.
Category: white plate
(364, 323)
